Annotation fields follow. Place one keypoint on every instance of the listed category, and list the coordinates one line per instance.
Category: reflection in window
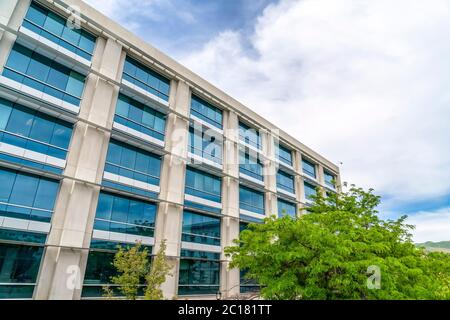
(309, 168)
(41, 73)
(285, 181)
(206, 111)
(200, 228)
(140, 117)
(134, 163)
(250, 135)
(26, 196)
(19, 266)
(32, 130)
(199, 273)
(147, 79)
(203, 185)
(125, 215)
(286, 208)
(56, 29)
(251, 200)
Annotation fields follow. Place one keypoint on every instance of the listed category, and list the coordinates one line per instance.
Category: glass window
(206, 111)
(134, 163)
(42, 129)
(203, 185)
(7, 178)
(19, 58)
(126, 215)
(121, 207)
(39, 67)
(283, 154)
(38, 132)
(329, 179)
(251, 200)
(24, 190)
(285, 181)
(250, 136)
(20, 121)
(250, 165)
(5, 112)
(201, 228)
(21, 189)
(199, 273)
(286, 208)
(205, 145)
(309, 168)
(310, 190)
(140, 117)
(146, 79)
(54, 24)
(19, 263)
(56, 29)
(44, 74)
(46, 194)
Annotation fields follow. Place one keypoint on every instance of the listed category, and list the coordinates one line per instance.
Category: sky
(364, 83)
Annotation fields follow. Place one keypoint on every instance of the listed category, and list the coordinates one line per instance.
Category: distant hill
(443, 246)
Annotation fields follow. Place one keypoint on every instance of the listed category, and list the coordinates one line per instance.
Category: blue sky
(363, 82)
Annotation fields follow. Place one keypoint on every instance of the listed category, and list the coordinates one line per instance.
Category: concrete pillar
(320, 178)
(12, 13)
(270, 175)
(62, 270)
(299, 184)
(229, 285)
(169, 220)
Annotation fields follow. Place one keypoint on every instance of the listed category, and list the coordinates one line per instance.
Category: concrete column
(229, 285)
(169, 220)
(299, 184)
(62, 270)
(320, 178)
(270, 176)
(12, 13)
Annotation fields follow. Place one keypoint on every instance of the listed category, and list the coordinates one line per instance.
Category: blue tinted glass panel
(44, 75)
(286, 208)
(203, 185)
(310, 190)
(125, 215)
(250, 165)
(283, 154)
(206, 111)
(133, 163)
(309, 168)
(35, 131)
(249, 135)
(251, 200)
(140, 117)
(56, 29)
(27, 196)
(146, 79)
(201, 228)
(285, 181)
(329, 179)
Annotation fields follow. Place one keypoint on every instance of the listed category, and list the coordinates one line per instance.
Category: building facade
(106, 141)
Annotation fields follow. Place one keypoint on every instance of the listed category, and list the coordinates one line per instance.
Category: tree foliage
(132, 265)
(326, 254)
(157, 276)
(134, 272)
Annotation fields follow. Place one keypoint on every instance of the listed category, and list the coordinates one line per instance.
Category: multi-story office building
(106, 141)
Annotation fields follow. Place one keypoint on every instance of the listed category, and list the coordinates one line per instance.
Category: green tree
(327, 253)
(160, 269)
(132, 265)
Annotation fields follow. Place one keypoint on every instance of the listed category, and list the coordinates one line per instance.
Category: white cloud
(362, 82)
(431, 226)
